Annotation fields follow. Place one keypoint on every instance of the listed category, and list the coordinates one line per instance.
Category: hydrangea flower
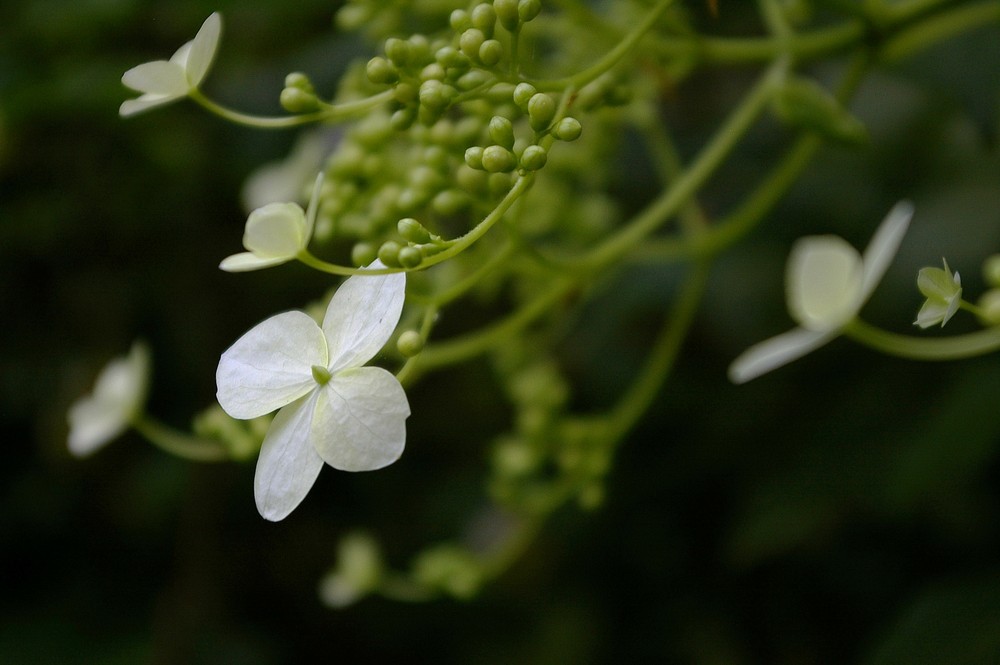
(118, 397)
(275, 234)
(943, 290)
(826, 284)
(330, 408)
(165, 81)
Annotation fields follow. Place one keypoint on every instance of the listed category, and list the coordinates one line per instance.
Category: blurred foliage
(845, 509)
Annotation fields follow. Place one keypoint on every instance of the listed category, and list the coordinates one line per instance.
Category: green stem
(685, 187)
(468, 346)
(456, 246)
(921, 348)
(179, 443)
(329, 112)
(612, 57)
(938, 28)
(640, 395)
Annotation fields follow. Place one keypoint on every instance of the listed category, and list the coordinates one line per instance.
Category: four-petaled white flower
(943, 290)
(827, 282)
(118, 396)
(165, 81)
(275, 234)
(332, 409)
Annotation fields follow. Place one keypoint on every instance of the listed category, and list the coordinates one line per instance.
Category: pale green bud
(502, 131)
(991, 270)
(490, 52)
(498, 159)
(567, 129)
(533, 158)
(410, 343)
(541, 110)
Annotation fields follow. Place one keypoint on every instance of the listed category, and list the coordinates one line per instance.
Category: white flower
(827, 282)
(943, 290)
(165, 81)
(275, 234)
(118, 396)
(332, 409)
(282, 180)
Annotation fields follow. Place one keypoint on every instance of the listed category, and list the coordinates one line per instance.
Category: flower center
(321, 374)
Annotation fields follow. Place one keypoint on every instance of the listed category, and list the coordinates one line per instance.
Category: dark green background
(843, 509)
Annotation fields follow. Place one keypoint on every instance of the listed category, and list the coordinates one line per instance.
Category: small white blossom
(827, 282)
(332, 409)
(165, 81)
(943, 290)
(275, 234)
(118, 396)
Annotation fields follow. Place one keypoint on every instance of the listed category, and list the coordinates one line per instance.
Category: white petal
(823, 282)
(145, 102)
(203, 48)
(360, 420)
(361, 317)
(775, 352)
(884, 245)
(270, 366)
(246, 261)
(118, 395)
(288, 464)
(159, 77)
(933, 312)
(278, 230)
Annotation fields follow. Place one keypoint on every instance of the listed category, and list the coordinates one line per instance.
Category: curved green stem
(179, 443)
(456, 246)
(710, 158)
(612, 57)
(468, 346)
(329, 112)
(640, 395)
(921, 348)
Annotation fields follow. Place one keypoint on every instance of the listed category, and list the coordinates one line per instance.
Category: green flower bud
(363, 253)
(528, 9)
(413, 231)
(484, 17)
(567, 129)
(388, 253)
(380, 71)
(991, 270)
(433, 95)
(402, 119)
(449, 202)
(522, 93)
(490, 52)
(460, 20)
(300, 81)
(541, 110)
(470, 41)
(420, 49)
(404, 93)
(410, 257)
(502, 131)
(296, 100)
(474, 157)
(804, 103)
(989, 306)
(410, 343)
(436, 157)
(498, 159)
(533, 158)
(507, 14)
(398, 51)
(472, 79)
(410, 199)
(428, 116)
(433, 72)
(498, 184)
(472, 180)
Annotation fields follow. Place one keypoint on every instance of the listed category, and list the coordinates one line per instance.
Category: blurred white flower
(332, 409)
(165, 81)
(827, 282)
(275, 234)
(118, 396)
(943, 290)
